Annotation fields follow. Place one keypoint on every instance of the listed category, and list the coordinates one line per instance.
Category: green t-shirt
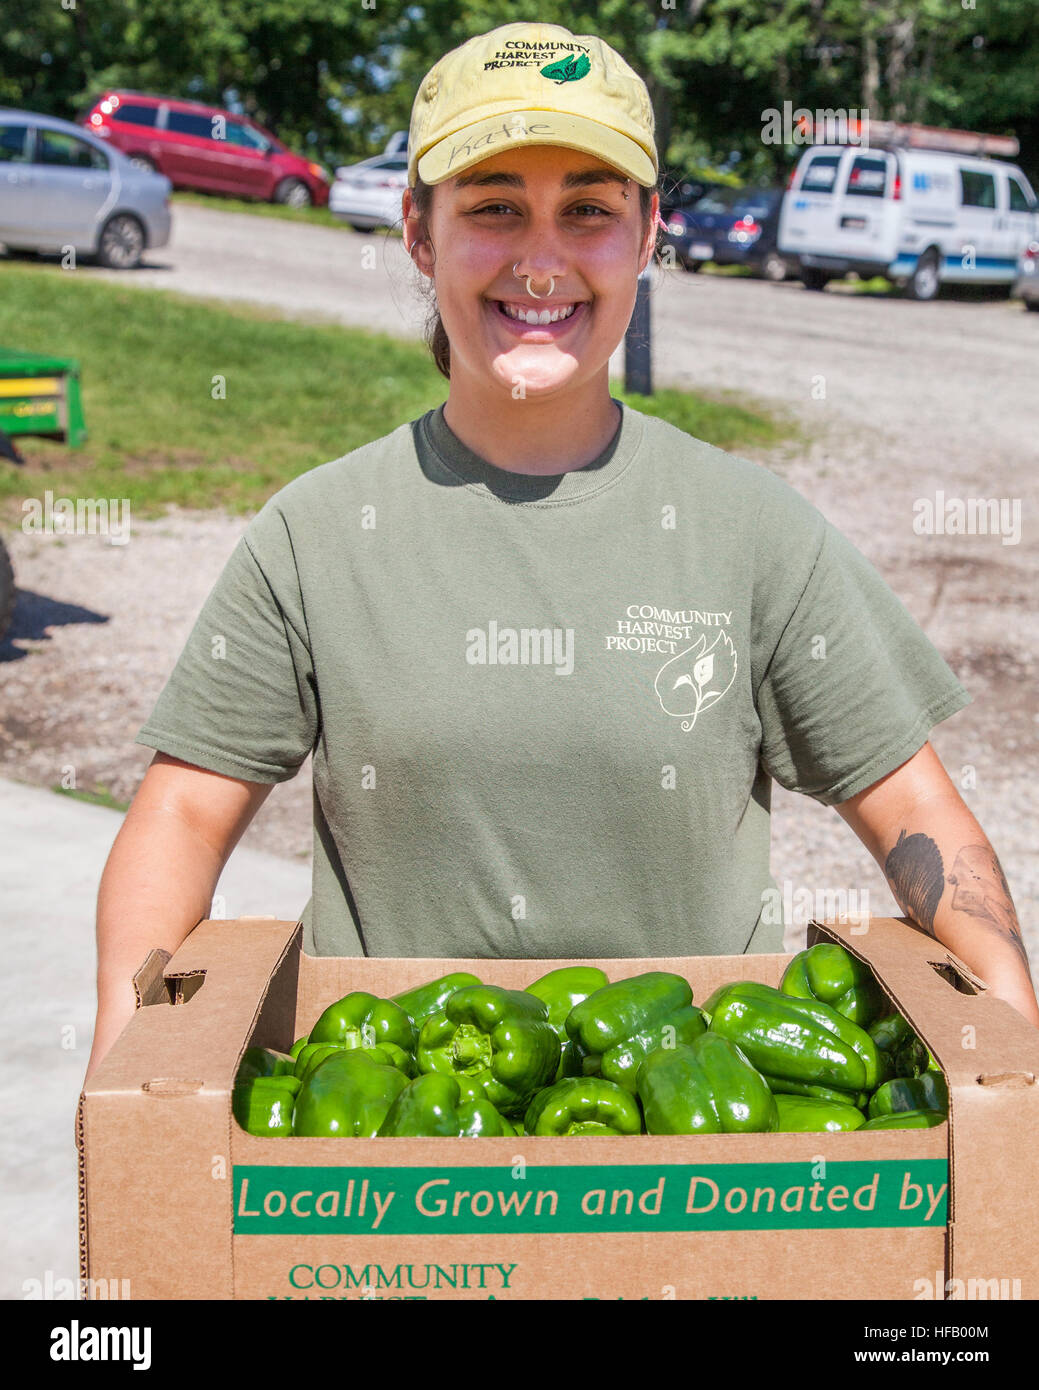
(545, 712)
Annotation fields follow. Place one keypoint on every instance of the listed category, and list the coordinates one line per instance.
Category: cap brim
(498, 134)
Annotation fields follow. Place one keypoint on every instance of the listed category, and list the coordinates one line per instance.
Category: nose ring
(528, 278)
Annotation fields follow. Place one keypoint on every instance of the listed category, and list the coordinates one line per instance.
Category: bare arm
(944, 873)
(161, 874)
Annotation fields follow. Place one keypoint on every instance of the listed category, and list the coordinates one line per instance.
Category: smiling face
(552, 213)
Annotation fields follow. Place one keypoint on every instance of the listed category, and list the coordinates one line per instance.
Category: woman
(548, 652)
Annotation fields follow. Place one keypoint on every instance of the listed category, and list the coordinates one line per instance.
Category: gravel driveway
(897, 402)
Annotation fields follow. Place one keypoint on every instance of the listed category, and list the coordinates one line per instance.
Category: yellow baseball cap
(531, 84)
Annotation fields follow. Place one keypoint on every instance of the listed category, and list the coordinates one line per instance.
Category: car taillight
(790, 180)
(1032, 251)
(896, 191)
(746, 229)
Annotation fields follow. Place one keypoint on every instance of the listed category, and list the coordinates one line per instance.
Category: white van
(919, 216)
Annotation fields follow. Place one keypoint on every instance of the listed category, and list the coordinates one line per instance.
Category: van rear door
(865, 207)
(842, 205)
(806, 221)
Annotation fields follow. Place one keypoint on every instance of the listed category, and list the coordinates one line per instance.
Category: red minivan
(204, 147)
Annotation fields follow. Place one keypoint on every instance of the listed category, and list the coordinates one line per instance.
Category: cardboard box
(180, 1202)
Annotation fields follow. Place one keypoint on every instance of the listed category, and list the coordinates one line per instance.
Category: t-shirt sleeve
(853, 686)
(242, 698)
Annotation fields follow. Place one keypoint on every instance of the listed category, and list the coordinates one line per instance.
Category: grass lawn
(294, 395)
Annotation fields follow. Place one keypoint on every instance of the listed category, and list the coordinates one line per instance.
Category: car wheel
(774, 267)
(8, 592)
(293, 193)
(142, 162)
(1032, 305)
(692, 266)
(356, 227)
(924, 282)
(121, 244)
(813, 279)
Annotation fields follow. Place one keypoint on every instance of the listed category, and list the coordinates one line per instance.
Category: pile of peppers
(577, 1054)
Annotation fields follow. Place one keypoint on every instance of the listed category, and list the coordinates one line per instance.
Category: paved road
(52, 852)
(961, 370)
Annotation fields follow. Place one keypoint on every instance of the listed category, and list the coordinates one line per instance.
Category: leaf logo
(567, 69)
(697, 678)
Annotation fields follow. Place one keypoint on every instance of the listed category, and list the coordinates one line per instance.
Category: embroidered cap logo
(567, 69)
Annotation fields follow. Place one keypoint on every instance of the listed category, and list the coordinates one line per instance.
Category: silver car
(368, 194)
(61, 186)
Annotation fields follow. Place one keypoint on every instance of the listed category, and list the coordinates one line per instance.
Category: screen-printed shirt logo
(701, 660)
(696, 679)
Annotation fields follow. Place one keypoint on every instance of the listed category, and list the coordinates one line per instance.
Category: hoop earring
(528, 278)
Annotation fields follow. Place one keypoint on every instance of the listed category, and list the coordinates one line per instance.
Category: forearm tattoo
(917, 876)
(980, 889)
(916, 873)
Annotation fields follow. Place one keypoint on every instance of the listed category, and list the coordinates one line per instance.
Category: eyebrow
(580, 178)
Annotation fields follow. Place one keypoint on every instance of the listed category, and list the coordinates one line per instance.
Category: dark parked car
(730, 226)
(207, 148)
(681, 192)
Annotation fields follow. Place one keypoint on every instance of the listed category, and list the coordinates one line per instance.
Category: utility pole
(638, 343)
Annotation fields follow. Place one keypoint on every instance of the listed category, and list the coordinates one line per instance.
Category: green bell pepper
(618, 1026)
(431, 1105)
(428, 1106)
(298, 1046)
(263, 1061)
(347, 1095)
(890, 1032)
(833, 975)
(906, 1119)
(583, 1105)
(263, 1105)
(705, 1087)
(928, 1091)
(914, 1058)
(423, 1000)
(312, 1053)
(794, 1039)
(559, 991)
(497, 1044)
(479, 1119)
(364, 1020)
(388, 1053)
(783, 1086)
(805, 1114)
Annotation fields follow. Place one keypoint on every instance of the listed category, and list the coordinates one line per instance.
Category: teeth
(538, 318)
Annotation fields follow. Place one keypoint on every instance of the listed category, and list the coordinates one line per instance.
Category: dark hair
(436, 336)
